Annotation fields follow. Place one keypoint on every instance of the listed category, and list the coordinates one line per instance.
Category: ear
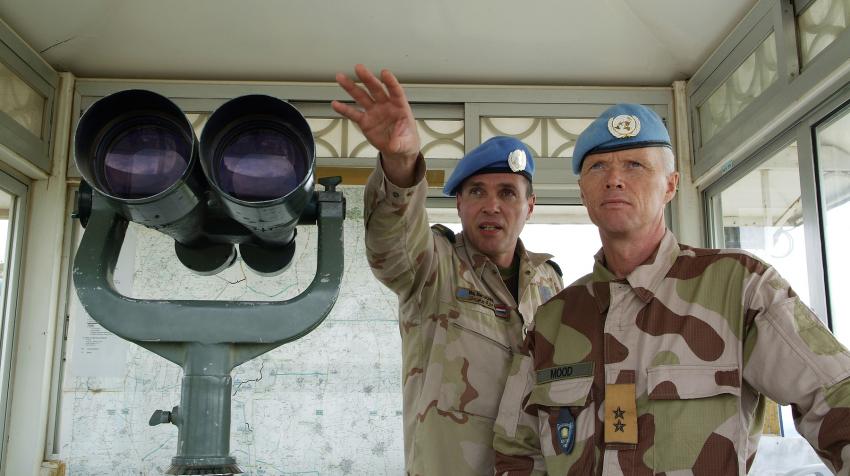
(457, 201)
(581, 193)
(672, 185)
(532, 200)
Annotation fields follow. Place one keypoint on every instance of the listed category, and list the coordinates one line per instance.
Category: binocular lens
(261, 164)
(144, 160)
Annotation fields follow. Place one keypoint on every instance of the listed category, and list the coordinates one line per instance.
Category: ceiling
(545, 42)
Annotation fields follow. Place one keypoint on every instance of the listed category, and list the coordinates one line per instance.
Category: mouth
(490, 227)
(615, 203)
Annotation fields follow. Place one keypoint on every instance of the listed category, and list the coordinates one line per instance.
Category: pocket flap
(678, 382)
(562, 393)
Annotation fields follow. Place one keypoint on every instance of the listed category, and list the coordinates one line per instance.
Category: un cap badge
(517, 160)
(623, 126)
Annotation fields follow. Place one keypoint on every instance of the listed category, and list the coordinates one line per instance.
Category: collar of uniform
(644, 280)
(478, 261)
(600, 279)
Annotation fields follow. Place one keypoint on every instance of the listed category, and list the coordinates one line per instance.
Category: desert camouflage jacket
(459, 327)
(666, 372)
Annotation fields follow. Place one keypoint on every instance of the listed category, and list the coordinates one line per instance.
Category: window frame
(29, 67)
(19, 191)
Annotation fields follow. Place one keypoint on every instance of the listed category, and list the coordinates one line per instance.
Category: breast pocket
(554, 398)
(693, 406)
(476, 362)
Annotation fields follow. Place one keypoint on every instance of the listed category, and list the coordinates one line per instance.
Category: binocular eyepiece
(254, 183)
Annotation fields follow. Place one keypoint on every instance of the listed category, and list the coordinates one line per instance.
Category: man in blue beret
(660, 360)
(465, 300)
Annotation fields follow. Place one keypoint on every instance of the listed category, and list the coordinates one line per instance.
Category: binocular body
(248, 181)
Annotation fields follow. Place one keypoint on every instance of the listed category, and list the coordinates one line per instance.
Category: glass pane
(21, 102)
(545, 136)
(762, 214)
(833, 155)
(7, 203)
(821, 24)
(747, 83)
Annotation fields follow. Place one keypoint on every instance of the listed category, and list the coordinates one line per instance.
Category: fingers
(393, 86)
(347, 111)
(356, 92)
(376, 89)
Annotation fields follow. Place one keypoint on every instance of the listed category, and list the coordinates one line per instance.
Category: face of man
(625, 191)
(493, 209)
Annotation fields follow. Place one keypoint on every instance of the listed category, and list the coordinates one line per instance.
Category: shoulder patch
(555, 266)
(445, 231)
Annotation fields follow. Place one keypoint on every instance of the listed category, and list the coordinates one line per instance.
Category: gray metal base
(227, 469)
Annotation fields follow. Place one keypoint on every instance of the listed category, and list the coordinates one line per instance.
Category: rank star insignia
(620, 426)
(619, 413)
(624, 126)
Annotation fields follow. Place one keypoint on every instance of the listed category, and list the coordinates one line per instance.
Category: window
(819, 25)
(833, 157)
(762, 213)
(745, 84)
(21, 102)
(12, 208)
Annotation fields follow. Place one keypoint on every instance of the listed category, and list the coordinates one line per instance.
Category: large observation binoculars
(248, 182)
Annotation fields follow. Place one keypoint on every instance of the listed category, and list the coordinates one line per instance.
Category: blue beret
(620, 127)
(496, 154)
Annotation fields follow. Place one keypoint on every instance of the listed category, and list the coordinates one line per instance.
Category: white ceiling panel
(551, 42)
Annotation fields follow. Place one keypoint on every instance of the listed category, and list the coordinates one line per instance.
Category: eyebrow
(498, 185)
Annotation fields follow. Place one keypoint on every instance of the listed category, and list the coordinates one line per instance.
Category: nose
(614, 178)
(491, 204)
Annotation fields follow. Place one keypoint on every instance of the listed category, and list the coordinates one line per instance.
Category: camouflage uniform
(459, 327)
(704, 335)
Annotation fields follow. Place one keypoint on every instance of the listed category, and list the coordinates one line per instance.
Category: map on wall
(329, 403)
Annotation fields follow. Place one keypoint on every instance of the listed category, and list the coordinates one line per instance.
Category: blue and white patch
(566, 430)
(545, 293)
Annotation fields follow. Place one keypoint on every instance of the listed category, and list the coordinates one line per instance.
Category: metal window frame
(707, 153)
(713, 207)
(800, 6)
(797, 91)
(29, 67)
(822, 116)
(803, 133)
(8, 319)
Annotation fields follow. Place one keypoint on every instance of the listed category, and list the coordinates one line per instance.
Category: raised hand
(384, 116)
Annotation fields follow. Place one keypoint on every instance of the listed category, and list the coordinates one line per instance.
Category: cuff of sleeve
(396, 195)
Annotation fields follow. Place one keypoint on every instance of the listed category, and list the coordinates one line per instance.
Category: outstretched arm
(385, 117)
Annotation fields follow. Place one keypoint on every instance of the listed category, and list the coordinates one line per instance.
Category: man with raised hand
(659, 361)
(465, 300)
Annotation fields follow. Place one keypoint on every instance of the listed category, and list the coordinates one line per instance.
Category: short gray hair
(669, 160)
